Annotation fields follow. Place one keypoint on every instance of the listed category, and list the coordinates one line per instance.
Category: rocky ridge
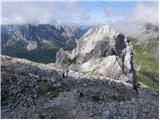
(101, 50)
(32, 90)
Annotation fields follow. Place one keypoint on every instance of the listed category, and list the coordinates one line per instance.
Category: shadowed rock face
(102, 51)
(32, 90)
(120, 44)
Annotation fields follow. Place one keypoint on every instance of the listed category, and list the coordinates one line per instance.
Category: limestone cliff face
(102, 51)
(102, 38)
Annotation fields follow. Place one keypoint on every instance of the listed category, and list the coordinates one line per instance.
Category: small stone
(43, 78)
(84, 84)
(53, 79)
(106, 113)
(78, 94)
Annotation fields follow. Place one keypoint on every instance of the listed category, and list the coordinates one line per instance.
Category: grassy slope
(147, 62)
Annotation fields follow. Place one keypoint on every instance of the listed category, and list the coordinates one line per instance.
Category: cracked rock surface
(32, 90)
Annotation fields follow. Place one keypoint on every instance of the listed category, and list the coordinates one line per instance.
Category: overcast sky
(79, 12)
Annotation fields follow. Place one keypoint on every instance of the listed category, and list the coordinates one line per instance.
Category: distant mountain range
(39, 42)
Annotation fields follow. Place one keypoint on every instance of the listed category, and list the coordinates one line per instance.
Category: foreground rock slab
(32, 90)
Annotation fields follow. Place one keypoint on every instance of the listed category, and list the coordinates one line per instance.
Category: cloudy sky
(79, 12)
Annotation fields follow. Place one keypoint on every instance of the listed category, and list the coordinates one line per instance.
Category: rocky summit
(101, 50)
(33, 90)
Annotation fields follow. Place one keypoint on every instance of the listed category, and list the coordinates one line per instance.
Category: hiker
(128, 66)
(65, 74)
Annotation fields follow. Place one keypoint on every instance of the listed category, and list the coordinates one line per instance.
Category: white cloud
(43, 12)
(128, 28)
(142, 12)
(145, 13)
(49, 12)
(26, 12)
(110, 11)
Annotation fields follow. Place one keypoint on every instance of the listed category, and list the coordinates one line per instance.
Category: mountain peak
(95, 35)
(104, 29)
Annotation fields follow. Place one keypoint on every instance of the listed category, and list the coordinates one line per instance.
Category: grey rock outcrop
(103, 51)
(31, 90)
(61, 58)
